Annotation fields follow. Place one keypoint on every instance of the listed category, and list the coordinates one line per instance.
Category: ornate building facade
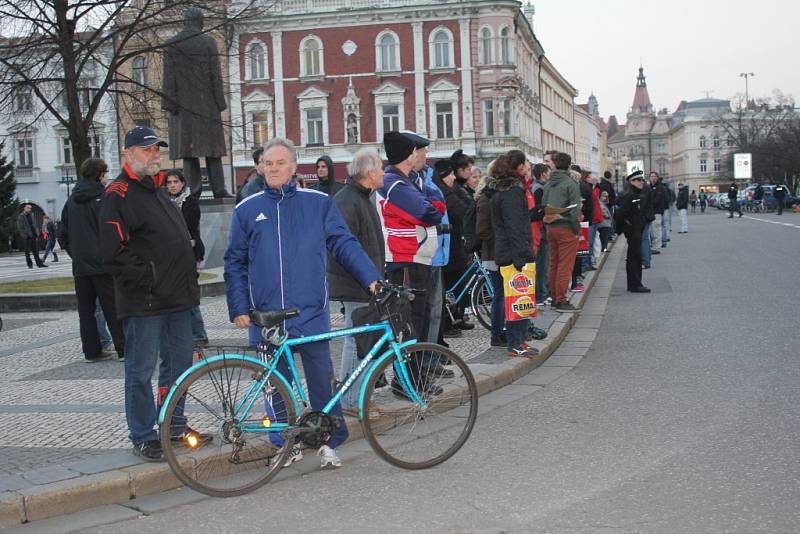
(465, 74)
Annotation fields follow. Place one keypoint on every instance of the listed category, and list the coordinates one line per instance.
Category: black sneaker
(464, 325)
(149, 451)
(430, 390)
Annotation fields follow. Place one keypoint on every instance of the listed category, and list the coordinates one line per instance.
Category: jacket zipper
(280, 252)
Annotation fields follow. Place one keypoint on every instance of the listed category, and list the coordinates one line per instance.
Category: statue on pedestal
(193, 97)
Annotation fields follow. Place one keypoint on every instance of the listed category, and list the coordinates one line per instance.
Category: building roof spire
(641, 99)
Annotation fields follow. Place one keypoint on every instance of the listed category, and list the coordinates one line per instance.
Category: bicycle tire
(198, 472)
(481, 302)
(452, 412)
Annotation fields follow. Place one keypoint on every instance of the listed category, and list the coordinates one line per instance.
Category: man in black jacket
(682, 204)
(733, 200)
(145, 245)
(356, 203)
(28, 229)
(630, 212)
(326, 182)
(79, 235)
(660, 202)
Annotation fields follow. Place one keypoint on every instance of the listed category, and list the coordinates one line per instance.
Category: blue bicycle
(417, 404)
(474, 282)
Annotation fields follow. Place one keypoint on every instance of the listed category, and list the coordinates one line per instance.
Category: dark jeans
(88, 291)
(198, 326)
(31, 246)
(633, 261)
(734, 206)
(414, 276)
(458, 309)
(498, 304)
(516, 331)
(169, 334)
(605, 235)
(48, 248)
(542, 269)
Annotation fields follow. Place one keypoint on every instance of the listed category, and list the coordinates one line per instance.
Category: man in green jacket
(563, 230)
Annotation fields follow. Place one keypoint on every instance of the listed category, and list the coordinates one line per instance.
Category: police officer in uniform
(733, 200)
(631, 215)
(780, 194)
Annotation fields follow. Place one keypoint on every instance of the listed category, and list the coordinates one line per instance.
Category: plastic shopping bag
(519, 291)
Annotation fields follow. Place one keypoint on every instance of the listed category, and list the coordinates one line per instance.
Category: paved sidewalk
(14, 268)
(62, 420)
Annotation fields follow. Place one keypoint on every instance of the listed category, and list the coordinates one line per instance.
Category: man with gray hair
(356, 202)
(277, 259)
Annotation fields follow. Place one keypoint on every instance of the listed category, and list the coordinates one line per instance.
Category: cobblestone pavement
(14, 268)
(58, 412)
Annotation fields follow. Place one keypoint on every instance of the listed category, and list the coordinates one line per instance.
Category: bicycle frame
(472, 272)
(299, 397)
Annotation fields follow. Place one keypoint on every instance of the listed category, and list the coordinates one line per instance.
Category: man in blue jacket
(276, 258)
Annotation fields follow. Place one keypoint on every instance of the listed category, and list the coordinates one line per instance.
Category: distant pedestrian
(733, 200)
(646, 198)
(257, 182)
(682, 204)
(181, 195)
(605, 227)
(693, 200)
(703, 200)
(660, 201)
(563, 231)
(633, 222)
(29, 231)
(326, 181)
(780, 196)
(49, 236)
(80, 237)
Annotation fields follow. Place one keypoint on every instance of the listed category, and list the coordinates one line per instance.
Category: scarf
(181, 197)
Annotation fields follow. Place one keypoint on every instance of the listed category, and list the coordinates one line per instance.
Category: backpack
(471, 241)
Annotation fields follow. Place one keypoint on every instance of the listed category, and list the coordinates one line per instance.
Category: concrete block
(12, 511)
(570, 351)
(582, 334)
(543, 376)
(13, 482)
(50, 474)
(104, 462)
(68, 496)
(150, 478)
(151, 504)
(561, 360)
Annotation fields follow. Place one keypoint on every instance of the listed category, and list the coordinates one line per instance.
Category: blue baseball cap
(142, 136)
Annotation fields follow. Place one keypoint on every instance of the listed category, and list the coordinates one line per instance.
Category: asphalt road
(682, 418)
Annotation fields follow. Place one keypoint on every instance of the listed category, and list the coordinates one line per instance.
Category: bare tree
(64, 58)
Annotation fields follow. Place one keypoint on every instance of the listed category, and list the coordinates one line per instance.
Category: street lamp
(66, 181)
(746, 76)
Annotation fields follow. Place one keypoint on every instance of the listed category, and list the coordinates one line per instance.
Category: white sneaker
(295, 455)
(329, 458)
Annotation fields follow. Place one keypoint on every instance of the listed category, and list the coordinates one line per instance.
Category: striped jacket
(408, 217)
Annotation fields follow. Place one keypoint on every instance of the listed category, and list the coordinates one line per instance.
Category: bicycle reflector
(265, 422)
(191, 439)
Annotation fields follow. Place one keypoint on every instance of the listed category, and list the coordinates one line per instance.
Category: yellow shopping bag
(519, 291)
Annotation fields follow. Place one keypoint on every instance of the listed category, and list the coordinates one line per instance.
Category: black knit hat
(398, 147)
(442, 168)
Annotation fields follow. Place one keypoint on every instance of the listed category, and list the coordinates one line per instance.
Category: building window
(485, 45)
(488, 117)
(703, 166)
(311, 57)
(260, 129)
(662, 168)
(139, 73)
(314, 127)
(729, 141)
(505, 46)
(444, 120)
(66, 151)
(391, 117)
(24, 152)
(441, 45)
(717, 165)
(96, 145)
(702, 141)
(256, 62)
(507, 116)
(387, 51)
(715, 141)
(23, 99)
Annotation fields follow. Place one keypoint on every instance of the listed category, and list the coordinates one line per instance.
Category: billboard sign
(742, 166)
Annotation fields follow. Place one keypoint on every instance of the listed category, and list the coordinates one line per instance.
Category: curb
(65, 300)
(119, 486)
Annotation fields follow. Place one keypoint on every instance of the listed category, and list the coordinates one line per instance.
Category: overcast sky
(686, 48)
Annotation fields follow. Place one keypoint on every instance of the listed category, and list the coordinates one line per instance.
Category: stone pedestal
(215, 220)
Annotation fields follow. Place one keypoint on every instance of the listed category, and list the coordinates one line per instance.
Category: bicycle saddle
(268, 319)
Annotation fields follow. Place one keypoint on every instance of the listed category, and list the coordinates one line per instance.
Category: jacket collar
(366, 191)
(149, 182)
(284, 190)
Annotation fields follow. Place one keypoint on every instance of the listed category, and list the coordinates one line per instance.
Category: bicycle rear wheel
(415, 436)
(235, 461)
(481, 301)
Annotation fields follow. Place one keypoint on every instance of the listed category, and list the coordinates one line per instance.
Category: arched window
(485, 45)
(387, 52)
(505, 46)
(441, 45)
(311, 63)
(140, 72)
(256, 61)
(715, 141)
(702, 141)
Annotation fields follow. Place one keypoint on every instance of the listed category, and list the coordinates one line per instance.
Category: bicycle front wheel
(422, 434)
(481, 301)
(234, 449)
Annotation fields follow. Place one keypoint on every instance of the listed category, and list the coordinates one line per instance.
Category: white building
(39, 145)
